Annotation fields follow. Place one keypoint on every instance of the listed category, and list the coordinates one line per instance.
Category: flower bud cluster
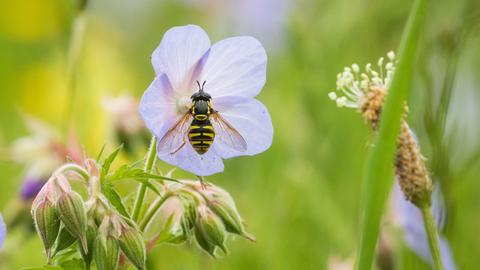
(63, 218)
(366, 91)
(204, 212)
(55, 206)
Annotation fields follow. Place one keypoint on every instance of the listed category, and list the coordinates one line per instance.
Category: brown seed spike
(411, 170)
(372, 104)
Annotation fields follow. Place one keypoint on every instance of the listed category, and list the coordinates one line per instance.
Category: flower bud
(106, 252)
(168, 223)
(72, 213)
(132, 245)
(223, 205)
(203, 242)
(209, 229)
(91, 236)
(47, 224)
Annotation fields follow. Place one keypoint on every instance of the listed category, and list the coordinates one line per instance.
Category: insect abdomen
(201, 135)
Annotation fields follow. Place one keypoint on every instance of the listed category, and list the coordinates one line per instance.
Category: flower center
(183, 105)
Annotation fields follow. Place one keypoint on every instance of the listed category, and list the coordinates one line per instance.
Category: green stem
(432, 234)
(70, 167)
(150, 161)
(378, 173)
(74, 49)
(151, 212)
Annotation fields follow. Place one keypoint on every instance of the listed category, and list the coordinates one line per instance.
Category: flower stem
(73, 54)
(432, 234)
(150, 161)
(151, 212)
(70, 167)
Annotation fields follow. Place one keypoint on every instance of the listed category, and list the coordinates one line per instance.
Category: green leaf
(137, 174)
(112, 195)
(74, 264)
(378, 176)
(109, 160)
(99, 156)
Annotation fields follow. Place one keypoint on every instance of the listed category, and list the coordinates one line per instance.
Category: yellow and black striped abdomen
(201, 134)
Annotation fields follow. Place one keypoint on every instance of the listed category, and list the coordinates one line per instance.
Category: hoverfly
(201, 125)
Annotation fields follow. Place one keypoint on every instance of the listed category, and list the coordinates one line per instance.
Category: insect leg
(180, 147)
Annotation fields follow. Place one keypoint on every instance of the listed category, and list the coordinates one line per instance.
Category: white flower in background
(123, 111)
(39, 150)
(336, 263)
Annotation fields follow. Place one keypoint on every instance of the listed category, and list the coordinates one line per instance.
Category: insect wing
(227, 134)
(175, 138)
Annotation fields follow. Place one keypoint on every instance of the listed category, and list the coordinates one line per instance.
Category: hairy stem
(151, 212)
(432, 234)
(150, 161)
(70, 167)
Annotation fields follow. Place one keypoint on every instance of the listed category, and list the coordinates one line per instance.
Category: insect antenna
(200, 88)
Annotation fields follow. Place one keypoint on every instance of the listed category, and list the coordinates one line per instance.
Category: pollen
(183, 105)
(357, 88)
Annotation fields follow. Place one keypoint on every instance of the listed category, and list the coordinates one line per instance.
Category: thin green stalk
(378, 175)
(432, 234)
(70, 167)
(150, 161)
(151, 212)
(74, 49)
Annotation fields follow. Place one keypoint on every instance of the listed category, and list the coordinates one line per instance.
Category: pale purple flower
(3, 231)
(409, 218)
(31, 187)
(267, 20)
(234, 70)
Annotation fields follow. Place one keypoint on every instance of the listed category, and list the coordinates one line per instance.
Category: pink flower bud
(132, 245)
(72, 212)
(47, 223)
(106, 252)
(209, 230)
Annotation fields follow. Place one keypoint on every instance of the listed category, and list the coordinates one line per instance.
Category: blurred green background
(301, 197)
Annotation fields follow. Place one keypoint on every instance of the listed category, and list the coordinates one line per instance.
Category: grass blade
(378, 176)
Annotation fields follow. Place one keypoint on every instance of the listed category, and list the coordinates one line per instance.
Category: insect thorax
(201, 110)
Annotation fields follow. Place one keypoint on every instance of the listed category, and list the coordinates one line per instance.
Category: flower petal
(157, 106)
(235, 67)
(410, 218)
(3, 231)
(250, 118)
(187, 159)
(181, 48)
